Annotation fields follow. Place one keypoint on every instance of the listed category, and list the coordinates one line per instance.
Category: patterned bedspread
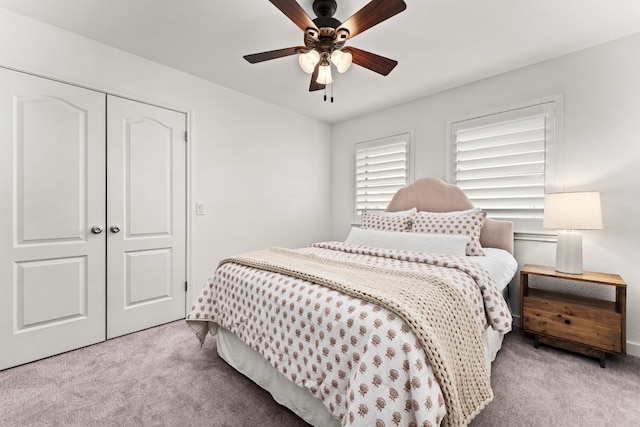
(361, 360)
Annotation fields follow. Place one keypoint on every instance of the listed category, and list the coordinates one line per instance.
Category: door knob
(115, 229)
(96, 229)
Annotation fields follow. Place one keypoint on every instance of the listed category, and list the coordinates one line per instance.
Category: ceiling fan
(325, 37)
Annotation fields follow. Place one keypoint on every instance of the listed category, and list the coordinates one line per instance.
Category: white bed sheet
(500, 265)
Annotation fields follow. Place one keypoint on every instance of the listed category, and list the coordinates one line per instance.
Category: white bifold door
(92, 217)
(146, 216)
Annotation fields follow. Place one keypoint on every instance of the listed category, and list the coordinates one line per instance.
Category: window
(504, 162)
(381, 169)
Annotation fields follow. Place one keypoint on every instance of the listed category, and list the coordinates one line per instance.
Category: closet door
(146, 204)
(52, 195)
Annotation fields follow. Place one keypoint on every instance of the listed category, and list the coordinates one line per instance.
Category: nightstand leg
(536, 341)
(602, 356)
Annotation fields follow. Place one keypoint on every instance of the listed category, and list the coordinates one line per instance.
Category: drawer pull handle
(567, 321)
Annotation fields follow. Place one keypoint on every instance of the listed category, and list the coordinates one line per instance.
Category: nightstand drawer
(576, 323)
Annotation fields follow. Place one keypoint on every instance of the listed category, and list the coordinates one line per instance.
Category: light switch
(200, 209)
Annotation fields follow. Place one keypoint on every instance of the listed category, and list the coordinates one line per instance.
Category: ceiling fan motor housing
(326, 40)
(325, 8)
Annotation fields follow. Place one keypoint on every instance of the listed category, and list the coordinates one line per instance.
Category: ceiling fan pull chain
(332, 91)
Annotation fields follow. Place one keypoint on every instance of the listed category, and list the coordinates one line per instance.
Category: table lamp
(570, 212)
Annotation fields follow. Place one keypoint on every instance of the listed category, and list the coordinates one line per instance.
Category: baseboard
(633, 349)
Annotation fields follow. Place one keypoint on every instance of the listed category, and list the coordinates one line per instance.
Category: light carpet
(161, 377)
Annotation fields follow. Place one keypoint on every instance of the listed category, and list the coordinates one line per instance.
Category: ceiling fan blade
(273, 54)
(372, 14)
(373, 62)
(295, 12)
(314, 85)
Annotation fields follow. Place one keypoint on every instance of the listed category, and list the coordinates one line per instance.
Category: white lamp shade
(324, 75)
(309, 60)
(342, 59)
(573, 211)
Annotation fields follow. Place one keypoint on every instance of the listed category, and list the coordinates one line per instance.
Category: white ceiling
(439, 44)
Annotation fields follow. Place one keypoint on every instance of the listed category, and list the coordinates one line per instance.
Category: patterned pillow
(463, 223)
(387, 221)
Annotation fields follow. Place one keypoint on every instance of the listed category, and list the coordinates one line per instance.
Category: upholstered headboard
(434, 195)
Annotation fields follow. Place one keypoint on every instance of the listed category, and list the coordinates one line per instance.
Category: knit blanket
(438, 314)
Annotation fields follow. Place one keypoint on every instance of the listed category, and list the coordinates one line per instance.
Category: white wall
(601, 91)
(262, 182)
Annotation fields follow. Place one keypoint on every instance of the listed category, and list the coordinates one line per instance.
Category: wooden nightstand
(585, 325)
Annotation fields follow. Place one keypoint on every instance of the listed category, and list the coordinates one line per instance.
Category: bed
(348, 333)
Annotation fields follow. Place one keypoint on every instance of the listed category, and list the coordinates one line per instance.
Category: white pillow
(445, 244)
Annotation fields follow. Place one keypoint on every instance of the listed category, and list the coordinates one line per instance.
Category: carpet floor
(161, 377)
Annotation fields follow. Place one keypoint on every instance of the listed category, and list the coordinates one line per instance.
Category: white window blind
(500, 162)
(381, 169)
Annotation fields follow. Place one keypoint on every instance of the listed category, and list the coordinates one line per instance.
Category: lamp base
(569, 252)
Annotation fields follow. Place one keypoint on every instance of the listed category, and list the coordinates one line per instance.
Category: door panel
(52, 180)
(148, 144)
(40, 282)
(146, 200)
(50, 128)
(147, 276)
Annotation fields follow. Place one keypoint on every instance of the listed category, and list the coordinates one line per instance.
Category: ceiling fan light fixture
(309, 60)
(324, 74)
(342, 59)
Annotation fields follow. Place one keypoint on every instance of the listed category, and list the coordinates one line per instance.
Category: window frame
(408, 138)
(553, 108)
